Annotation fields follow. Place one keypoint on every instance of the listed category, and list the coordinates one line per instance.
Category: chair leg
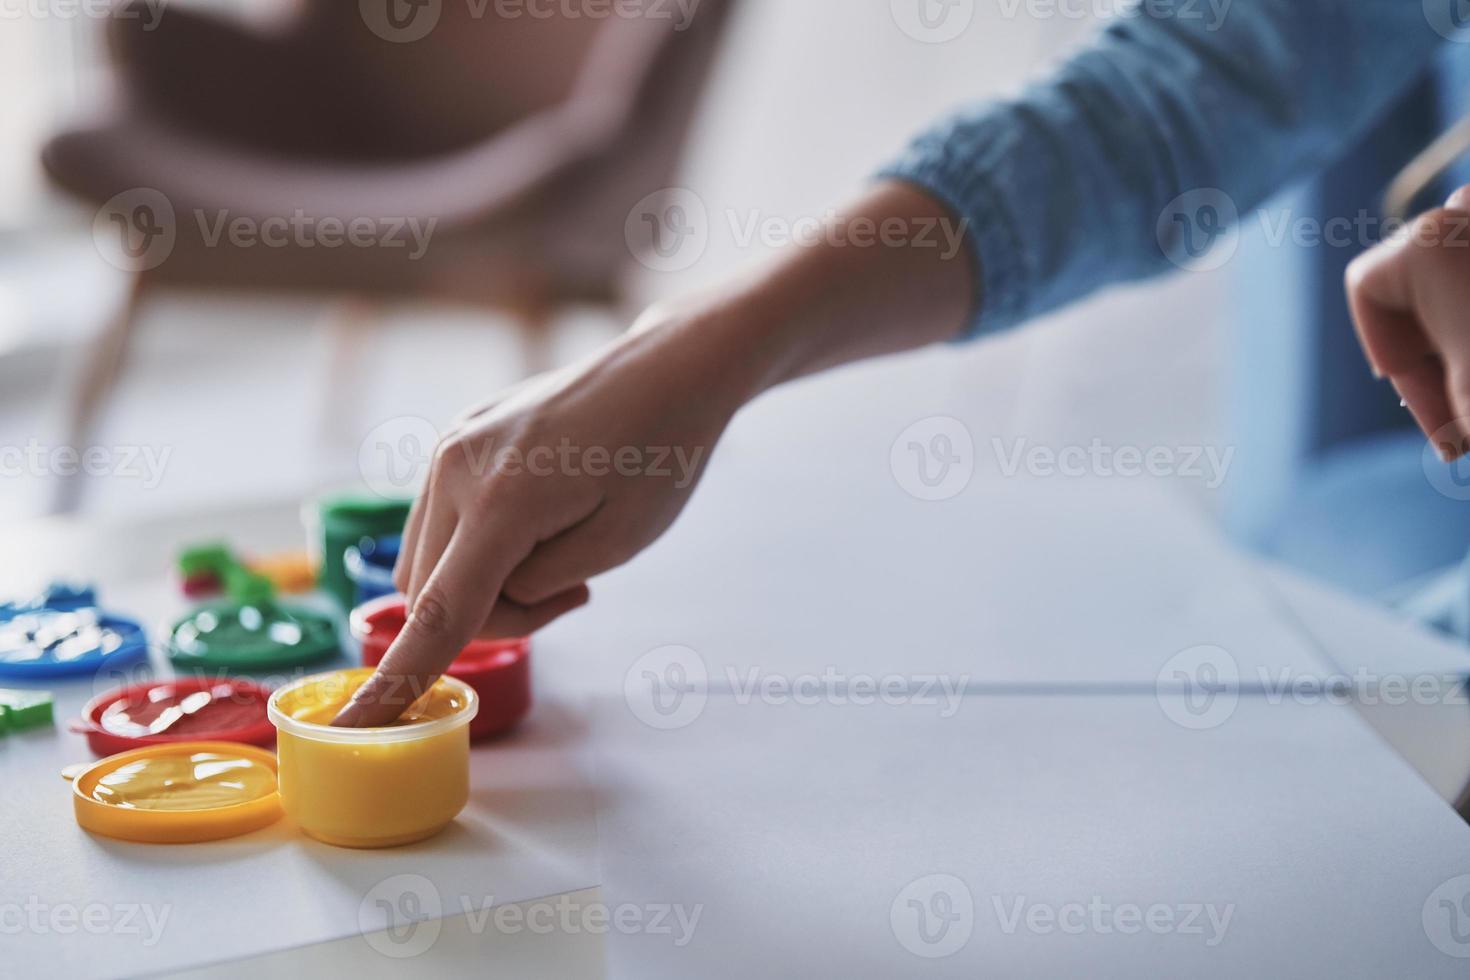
(533, 309)
(346, 328)
(102, 363)
(536, 322)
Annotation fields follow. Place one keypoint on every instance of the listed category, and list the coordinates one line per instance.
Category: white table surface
(1024, 584)
(1057, 602)
(1365, 643)
(1406, 681)
(796, 832)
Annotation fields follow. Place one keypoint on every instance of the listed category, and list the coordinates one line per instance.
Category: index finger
(448, 613)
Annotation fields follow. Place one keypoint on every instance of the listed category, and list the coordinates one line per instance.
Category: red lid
(186, 709)
(498, 670)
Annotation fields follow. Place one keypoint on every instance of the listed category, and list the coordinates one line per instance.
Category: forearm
(1062, 190)
(889, 273)
(893, 273)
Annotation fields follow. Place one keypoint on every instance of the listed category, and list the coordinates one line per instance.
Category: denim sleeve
(1063, 187)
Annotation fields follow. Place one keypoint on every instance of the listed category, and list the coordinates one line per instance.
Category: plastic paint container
(180, 793)
(498, 670)
(370, 567)
(372, 787)
(342, 521)
(58, 596)
(259, 635)
(190, 709)
(40, 643)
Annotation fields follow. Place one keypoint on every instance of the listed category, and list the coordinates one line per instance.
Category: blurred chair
(526, 140)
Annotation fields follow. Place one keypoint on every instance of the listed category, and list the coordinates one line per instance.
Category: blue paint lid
(60, 596)
(44, 642)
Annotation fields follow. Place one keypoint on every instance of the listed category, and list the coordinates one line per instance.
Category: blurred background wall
(806, 100)
(273, 394)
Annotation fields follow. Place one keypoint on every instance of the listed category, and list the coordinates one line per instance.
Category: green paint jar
(341, 521)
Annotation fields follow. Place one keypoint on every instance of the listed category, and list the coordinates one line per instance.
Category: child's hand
(561, 478)
(1410, 298)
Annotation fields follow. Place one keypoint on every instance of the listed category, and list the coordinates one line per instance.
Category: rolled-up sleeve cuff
(991, 238)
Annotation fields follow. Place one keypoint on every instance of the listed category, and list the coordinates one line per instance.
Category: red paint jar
(186, 709)
(498, 670)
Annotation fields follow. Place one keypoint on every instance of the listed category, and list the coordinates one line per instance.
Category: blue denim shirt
(1064, 186)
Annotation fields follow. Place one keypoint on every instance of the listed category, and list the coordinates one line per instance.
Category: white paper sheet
(1290, 838)
(528, 831)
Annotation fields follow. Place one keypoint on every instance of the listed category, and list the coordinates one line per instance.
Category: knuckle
(431, 618)
(1427, 225)
(1441, 232)
(441, 451)
(449, 452)
(1356, 275)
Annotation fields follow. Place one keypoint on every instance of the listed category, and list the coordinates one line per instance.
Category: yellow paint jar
(372, 787)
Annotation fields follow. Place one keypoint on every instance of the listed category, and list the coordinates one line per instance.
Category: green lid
(25, 709)
(363, 515)
(255, 635)
(214, 558)
(243, 585)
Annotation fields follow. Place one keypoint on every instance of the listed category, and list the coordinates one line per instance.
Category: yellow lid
(179, 793)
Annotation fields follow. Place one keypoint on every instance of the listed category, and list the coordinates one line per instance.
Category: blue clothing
(1063, 187)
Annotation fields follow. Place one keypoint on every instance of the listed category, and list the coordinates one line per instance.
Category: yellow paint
(372, 787)
(318, 699)
(197, 781)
